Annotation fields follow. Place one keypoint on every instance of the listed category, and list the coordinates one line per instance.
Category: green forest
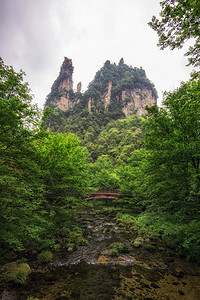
(152, 160)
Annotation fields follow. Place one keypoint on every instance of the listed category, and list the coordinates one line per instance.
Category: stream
(90, 272)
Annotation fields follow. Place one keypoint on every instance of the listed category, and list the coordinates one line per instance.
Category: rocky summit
(119, 89)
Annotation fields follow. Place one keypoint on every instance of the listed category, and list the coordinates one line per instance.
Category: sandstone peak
(62, 87)
(67, 66)
(79, 87)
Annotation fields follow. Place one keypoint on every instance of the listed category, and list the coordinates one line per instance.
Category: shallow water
(91, 273)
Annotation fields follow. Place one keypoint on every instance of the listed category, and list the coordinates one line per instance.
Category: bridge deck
(102, 194)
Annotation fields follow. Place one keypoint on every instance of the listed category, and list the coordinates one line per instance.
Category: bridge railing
(104, 192)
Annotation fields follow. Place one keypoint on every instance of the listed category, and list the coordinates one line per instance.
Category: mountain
(116, 92)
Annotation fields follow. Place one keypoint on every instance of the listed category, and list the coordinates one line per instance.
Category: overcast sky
(36, 35)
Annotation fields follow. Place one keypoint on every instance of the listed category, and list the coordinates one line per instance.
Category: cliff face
(107, 96)
(135, 100)
(121, 89)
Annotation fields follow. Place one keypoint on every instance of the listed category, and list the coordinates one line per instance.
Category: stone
(16, 272)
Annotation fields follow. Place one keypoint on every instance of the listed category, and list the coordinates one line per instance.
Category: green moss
(76, 239)
(134, 229)
(94, 235)
(45, 257)
(83, 242)
(138, 242)
(125, 220)
(118, 248)
(16, 272)
(105, 230)
(114, 252)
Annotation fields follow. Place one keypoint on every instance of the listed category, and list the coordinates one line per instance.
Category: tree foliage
(173, 137)
(167, 180)
(179, 22)
(41, 174)
(62, 160)
(20, 187)
(118, 139)
(102, 174)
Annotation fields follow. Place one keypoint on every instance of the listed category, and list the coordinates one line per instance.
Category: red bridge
(103, 194)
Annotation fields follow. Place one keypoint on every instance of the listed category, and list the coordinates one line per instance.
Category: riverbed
(145, 272)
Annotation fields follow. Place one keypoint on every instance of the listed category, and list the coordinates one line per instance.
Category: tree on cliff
(179, 22)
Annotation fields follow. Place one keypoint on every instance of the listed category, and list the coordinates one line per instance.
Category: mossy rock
(45, 257)
(138, 242)
(16, 272)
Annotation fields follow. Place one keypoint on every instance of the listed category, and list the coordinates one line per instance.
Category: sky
(36, 35)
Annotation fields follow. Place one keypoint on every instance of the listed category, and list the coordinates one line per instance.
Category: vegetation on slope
(122, 77)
